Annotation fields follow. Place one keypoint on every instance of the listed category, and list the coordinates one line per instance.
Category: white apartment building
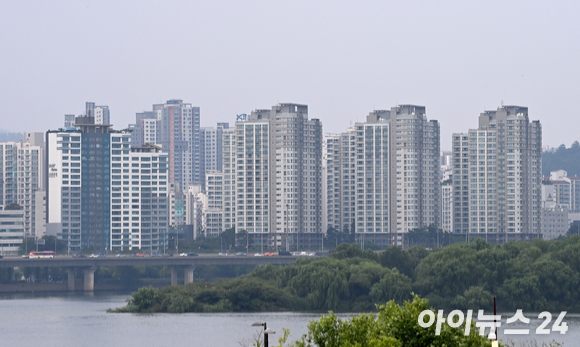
(229, 177)
(331, 181)
(22, 176)
(101, 193)
(566, 189)
(252, 176)
(139, 201)
(211, 147)
(149, 127)
(194, 210)
(213, 204)
(278, 177)
(497, 177)
(11, 231)
(383, 175)
(447, 206)
(178, 133)
(100, 113)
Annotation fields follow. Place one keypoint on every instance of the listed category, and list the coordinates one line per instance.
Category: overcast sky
(341, 58)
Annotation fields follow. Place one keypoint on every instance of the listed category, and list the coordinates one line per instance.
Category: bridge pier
(173, 275)
(71, 279)
(188, 275)
(89, 274)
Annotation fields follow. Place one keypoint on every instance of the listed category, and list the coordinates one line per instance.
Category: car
(1, 257)
(183, 254)
(79, 256)
(240, 254)
(101, 255)
(93, 256)
(120, 255)
(269, 254)
(258, 255)
(285, 253)
(191, 254)
(25, 256)
(140, 255)
(221, 254)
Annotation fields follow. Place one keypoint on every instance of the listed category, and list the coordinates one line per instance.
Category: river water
(81, 320)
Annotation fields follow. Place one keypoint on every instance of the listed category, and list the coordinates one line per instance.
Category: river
(81, 320)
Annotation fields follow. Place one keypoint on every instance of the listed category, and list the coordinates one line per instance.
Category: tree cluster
(562, 158)
(539, 276)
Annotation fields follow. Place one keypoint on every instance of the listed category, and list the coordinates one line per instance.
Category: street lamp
(266, 331)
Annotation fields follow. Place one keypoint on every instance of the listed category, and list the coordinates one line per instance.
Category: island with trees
(538, 275)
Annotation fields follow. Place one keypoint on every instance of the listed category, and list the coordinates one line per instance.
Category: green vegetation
(50, 243)
(539, 276)
(393, 326)
(562, 158)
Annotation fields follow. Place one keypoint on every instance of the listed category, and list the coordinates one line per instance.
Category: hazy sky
(341, 58)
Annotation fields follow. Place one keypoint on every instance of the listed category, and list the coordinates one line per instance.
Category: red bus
(43, 254)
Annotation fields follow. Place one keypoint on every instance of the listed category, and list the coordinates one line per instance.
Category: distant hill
(562, 158)
(6, 135)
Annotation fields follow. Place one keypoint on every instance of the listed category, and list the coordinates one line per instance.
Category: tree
(394, 326)
(395, 257)
(562, 158)
(429, 237)
(50, 241)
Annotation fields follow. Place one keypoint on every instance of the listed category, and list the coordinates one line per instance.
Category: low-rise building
(11, 231)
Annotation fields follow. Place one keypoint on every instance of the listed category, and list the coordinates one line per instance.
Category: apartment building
(497, 177)
(383, 175)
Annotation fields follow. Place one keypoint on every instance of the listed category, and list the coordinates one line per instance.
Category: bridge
(90, 265)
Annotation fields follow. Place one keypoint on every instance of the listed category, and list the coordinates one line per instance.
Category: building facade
(99, 193)
(383, 175)
(497, 177)
(178, 133)
(139, 198)
(22, 169)
(447, 206)
(565, 189)
(211, 147)
(11, 231)
(100, 114)
(229, 177)
(278, 176)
